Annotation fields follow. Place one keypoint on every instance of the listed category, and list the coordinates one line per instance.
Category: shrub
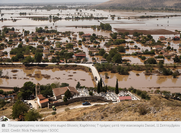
(67, 109)
(53, 113)
(142, 110)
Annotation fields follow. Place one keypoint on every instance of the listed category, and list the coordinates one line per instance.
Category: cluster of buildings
(58, 95)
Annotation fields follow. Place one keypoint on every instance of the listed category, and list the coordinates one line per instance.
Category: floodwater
(23, 22)
(39, 76)
(143, 81)
(171, 23)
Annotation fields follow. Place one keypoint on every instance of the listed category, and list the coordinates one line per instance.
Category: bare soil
(156, 109)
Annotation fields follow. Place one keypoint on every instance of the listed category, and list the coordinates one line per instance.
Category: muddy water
(171, 23)
(37, 76)
(143, 82)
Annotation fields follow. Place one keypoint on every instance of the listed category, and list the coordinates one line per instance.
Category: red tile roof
(86, 35)
(158, 46)
(125, 98)
(161, 36)
(80, 54)
(44, 101)
(41, 97)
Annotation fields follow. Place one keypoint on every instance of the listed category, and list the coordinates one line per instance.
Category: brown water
(142, 81)
(67, 76)
(172, 23)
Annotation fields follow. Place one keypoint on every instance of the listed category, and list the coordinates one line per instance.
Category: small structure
(158, 47)
(162, 38)
(59, 92)
(176, 38)
(61, 61)
(103, 60)
(166, 54)
(92, 49)
(80, 55)
(42, 101)
(86, 35)
(1, 53)
(124, 98)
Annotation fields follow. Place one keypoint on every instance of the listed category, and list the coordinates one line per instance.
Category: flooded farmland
(138, 79)
(17, 77)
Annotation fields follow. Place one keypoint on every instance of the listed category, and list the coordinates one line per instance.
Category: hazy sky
(48, 1)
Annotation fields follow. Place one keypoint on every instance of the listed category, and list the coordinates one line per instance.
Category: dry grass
(157, 109)
(6, 110)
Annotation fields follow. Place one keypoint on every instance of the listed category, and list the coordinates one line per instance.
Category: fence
(91, 98)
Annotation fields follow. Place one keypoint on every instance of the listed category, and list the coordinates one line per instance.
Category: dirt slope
(157, 109)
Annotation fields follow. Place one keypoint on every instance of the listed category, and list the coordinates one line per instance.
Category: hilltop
(156, 109)
(140, 4)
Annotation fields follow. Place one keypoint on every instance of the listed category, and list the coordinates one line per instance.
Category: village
(31, 62)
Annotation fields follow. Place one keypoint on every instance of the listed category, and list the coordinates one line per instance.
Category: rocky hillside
(156, 109)
(140, 3)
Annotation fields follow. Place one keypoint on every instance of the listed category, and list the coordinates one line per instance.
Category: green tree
(101, 52)
(116, 89)
(68, 94)
(90, 93)
(16, 89)
(117, 58)
(65, 99)
(38, 57)
(78, 85)
(1, 72)
(19, 108)
(150, 61)
(14, 59)
(20, 56)
(84, 39)
(46, 90)
(112, 52)
(69, 46)
(28, 59)
(32, 115)
(1, 91)
(64, 85)
(27, 90)
(2, 102)
(121, 49)
(98, 87)
(100, 83)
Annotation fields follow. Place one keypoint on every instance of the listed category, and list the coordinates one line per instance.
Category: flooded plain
(138, 79)
(122, 20)
(18, 76)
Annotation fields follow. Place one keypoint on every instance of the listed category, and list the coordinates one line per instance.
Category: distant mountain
(141, 3)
